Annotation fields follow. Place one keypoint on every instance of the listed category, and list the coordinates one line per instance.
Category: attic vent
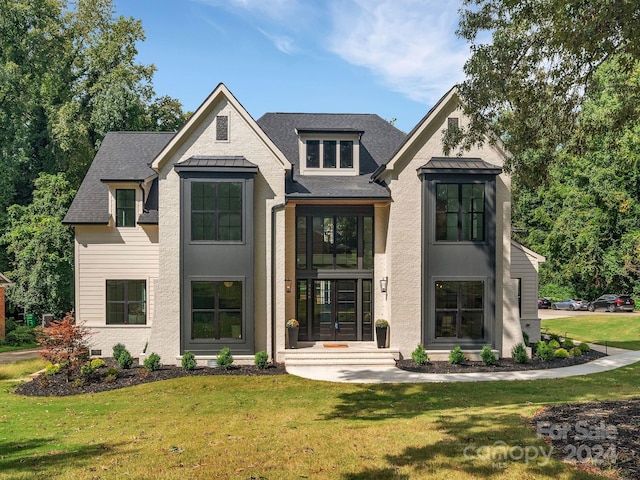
(452, 123)
(222, 128)
(96, 353)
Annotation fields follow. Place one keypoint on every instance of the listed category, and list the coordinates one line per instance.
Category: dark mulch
(603, 435)
(503, 365)
(58, 386)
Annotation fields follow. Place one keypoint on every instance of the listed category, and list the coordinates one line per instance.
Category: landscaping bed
(503, 364)
(601, 435)
(58, 386)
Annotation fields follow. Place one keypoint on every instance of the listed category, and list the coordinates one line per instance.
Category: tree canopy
(532, 66)
(68, 75)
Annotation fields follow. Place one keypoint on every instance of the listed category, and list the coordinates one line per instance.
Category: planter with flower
(382, 327)
(292, 332)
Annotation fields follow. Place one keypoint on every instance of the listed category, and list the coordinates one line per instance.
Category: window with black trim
(126, 302)
(459, 309)
(216, 211)
(333, 153)
(460, 212)
(216, 310)
(125, 207)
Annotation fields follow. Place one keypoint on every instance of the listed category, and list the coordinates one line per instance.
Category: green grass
(286, 427)
(616, 330)
(9, 348)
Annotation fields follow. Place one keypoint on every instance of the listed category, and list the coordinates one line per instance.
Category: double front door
(335, 310)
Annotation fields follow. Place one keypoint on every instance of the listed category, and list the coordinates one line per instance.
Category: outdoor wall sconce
(287, 285)
(383, 284)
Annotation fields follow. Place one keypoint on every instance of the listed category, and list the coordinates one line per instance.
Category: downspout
(273, 277)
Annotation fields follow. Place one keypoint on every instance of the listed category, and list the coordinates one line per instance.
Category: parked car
(544, 303)
(613, 303)
(570, 304)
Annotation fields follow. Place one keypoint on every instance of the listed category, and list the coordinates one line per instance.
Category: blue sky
(395, 58)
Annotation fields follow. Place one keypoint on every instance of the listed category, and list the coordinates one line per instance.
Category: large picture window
(459, 310)
(216, 310)
(216, 211)
(125, 207)
(126, 302)
(460, 212)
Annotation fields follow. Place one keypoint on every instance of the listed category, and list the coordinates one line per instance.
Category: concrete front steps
(339, 354)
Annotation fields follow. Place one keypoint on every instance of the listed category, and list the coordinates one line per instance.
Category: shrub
(584, 347)
(110, 378)
(125, 360)
(261, 360)
(86, 369)
(152, 362)
(561, 353)
(113, 371)
(78, 382)
(382, 323)
(487, 355)
(118, 348)
(65, 343)
(568, 343)
(525, 337)
(519, 353)
(189, 360)
(544, 351)
(224, 359)
(97, 363)
(420, 356)
(556, 337)
(575, 352)
(52, 368)
(21, 335)
(456, 356)
(553, 343)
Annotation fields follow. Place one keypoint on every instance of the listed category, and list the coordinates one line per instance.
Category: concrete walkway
(617, 358)
(10, 357)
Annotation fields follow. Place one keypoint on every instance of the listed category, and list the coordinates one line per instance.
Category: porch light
(287, 285)
(383, 284)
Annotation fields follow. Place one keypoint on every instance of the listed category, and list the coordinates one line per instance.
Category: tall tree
(528, 83)
(41, 248)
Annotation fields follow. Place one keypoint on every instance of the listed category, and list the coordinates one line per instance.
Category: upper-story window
(460, 212)
(216, 211)
(125, 207)
(330, 152)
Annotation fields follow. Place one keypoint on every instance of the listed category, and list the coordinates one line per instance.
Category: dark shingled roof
(123, 156)
(378, 142)
(459, 165)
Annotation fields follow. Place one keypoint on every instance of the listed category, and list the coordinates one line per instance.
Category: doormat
(335, 345)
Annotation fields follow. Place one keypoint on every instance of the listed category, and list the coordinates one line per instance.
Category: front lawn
(616, 330)
(11, 348)
(286, 427)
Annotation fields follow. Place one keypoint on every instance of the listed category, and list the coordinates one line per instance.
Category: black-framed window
(216, 310)
(125, 207)
(460, 212)
(313, 153)
(334, 154)
(126, 302)
(459, 307)
(346, 154)
(216, 211)
(330, 241)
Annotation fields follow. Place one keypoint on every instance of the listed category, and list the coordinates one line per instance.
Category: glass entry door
(334, 312)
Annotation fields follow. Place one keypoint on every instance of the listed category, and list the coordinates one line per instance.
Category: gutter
(273, 278)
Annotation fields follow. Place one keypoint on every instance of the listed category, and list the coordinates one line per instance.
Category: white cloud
(410, 44)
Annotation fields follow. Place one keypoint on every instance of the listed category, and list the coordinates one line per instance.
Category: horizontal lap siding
(106, 253)
(523, 267)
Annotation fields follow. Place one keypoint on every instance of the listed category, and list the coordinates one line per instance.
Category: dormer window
(329, 152)
(125, 207)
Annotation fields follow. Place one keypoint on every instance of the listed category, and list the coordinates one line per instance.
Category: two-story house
(214, 236)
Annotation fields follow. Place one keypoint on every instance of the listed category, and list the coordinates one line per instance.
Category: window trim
(459, 310)
(217, 212)
(461, 213)
(243, 314)
(126, 302)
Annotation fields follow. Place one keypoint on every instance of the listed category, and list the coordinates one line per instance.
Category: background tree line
(68, 75)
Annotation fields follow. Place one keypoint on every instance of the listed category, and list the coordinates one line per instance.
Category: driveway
(9, 357)
(545, 313)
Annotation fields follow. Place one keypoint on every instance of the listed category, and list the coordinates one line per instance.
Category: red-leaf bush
(66, 344)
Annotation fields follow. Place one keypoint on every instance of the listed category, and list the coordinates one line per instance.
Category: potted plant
(382, 326)
(292, 332)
